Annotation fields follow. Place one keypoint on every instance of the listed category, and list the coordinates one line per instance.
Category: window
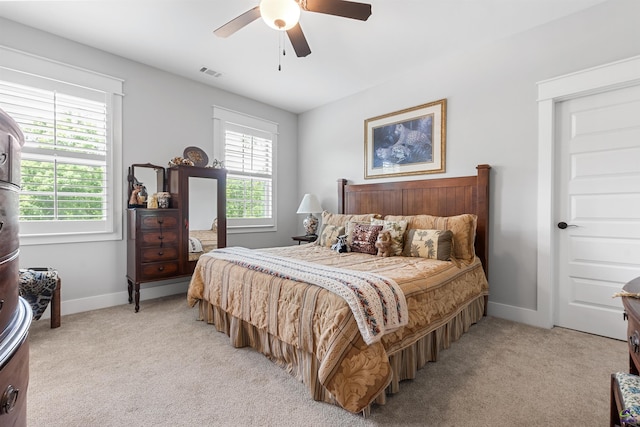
(70, 172)
(247, 147)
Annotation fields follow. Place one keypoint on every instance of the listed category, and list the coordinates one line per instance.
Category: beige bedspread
(208, 239)
(319, 322)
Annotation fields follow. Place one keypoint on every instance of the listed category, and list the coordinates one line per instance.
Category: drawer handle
(3, 158)
(1, 304)
(1, 225)
(160, 220)
(160, 253)
(161, 268)
(9, 399)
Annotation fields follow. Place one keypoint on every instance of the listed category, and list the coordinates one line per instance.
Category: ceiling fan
(283, 15)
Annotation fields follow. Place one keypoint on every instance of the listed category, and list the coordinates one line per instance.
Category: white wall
(491, 118)
(162, 114)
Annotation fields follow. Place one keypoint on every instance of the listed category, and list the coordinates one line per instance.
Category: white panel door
(598, 177)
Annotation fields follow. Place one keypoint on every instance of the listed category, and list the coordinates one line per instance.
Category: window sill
(53, 239)
(251, 229)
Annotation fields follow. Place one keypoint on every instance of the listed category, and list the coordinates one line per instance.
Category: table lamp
(310, 205)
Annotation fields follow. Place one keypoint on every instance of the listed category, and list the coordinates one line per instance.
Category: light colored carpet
(161, 367)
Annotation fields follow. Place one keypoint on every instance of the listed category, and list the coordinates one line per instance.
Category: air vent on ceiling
(210, 72)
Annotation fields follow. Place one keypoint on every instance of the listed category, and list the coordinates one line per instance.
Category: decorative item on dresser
(15, 313)
(158, 238)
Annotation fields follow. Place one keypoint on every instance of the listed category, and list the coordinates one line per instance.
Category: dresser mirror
(152, 177)
(200, 195)
(203, 202)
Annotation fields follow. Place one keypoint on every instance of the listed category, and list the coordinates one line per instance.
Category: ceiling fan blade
(237, 23)
(346, 9)
(299, 41)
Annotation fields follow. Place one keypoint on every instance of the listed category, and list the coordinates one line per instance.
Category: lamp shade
(280, 14)
(309, 204)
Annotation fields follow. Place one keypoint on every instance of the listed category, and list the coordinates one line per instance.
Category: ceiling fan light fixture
(280, 15)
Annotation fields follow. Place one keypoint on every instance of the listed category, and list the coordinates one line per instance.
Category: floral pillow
(431, 244)
(462, 226)
(329, 235)
(350, 227)
(363, 238)
(396, 229)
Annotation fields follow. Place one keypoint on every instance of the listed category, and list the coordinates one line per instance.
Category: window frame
(36, 71)
(223, 119)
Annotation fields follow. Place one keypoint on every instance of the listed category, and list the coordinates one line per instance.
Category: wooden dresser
(632, 314)
(15, 313)
(158, 239)
(153, 248)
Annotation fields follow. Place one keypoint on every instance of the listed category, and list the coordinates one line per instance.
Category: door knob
(562, 225)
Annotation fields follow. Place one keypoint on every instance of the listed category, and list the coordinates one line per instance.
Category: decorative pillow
(350, 227)
(397, 230)
(431, 244)
(364, 238)
(195, 245)
(462, 226)
(329, 235)
(342, 220)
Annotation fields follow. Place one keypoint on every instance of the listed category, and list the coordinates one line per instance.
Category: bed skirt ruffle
(303, 365)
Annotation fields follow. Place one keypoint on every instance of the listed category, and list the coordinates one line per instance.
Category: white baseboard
(118, 298)
(519, 314)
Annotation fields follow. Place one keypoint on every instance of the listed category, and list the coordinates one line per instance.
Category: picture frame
(406, 142)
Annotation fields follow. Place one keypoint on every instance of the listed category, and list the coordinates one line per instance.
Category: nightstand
(306, 239)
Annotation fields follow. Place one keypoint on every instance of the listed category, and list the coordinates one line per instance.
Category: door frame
(615, 75)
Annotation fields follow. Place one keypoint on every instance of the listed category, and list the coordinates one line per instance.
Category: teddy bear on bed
(383, 243)
(341, 245)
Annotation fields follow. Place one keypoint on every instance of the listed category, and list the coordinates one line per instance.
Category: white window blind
(249, 147)
(67, 170)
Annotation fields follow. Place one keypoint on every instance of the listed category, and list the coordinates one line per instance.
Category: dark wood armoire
(15, 312)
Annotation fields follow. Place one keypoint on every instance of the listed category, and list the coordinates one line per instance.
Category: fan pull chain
(281, 49)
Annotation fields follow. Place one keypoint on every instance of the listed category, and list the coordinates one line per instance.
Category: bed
(315, 334)
(203, 241)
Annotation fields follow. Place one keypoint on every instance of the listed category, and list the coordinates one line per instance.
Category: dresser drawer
(156, 254)
(633, 339)
(166, 237)
(14, 370)
(157, 220)
(158, 270)
(9, 158)
(9, 240)
(8, 289)
(14, 381)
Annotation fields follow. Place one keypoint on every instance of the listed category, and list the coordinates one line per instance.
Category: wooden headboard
(438, 197)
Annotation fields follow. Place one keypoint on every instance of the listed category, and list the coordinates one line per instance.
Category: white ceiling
(347, 56)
